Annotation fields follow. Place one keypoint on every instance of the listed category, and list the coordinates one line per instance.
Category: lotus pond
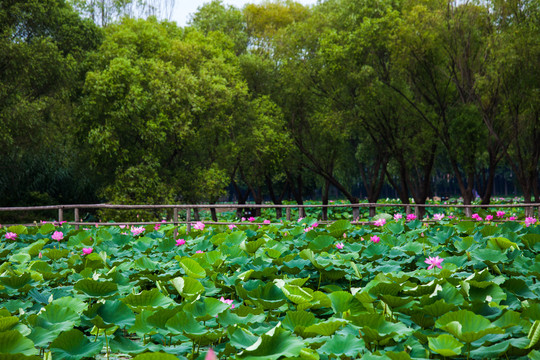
(291, 290)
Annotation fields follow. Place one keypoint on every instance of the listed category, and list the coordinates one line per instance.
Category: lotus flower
(227, 301)
(339, 246)
(489, 217)
(231, 226)
(180, 242)
(11, 236)
(57, 235)
(398, 216)
(438, 217)
(375, 238)
(137, 230)
(500, 214)
(199, 252)
(529, 221)
(87, 251)
(476, 217)
(512, 218)
(315, 224)
(380, 222)
(434, 261)
(210, 355)
(251, 219)
(411, 217)
(266, 222)
(199, 225)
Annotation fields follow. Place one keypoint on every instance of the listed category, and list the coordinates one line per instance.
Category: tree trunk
(275, 200)
(241, 198)
(325, 191)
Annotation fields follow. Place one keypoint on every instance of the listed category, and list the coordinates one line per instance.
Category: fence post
(417, 212)
(76, 217)
(355, 213)
(288, 214)
(407, 210)
(188, 220)
(60, 214)
(175, 221)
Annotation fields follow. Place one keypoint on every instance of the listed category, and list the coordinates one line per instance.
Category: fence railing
(409, 208)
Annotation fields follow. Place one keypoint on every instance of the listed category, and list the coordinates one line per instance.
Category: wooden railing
(529, 210)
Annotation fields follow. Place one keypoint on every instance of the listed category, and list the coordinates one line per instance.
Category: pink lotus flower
(57, 235)
(300, 219)
(211, 355)
(231, 226)
(380, 222)
(122, 226)
(199, 225)
(87, 251)
(434, 261)
(500, 214)
(375, 239)
(476, 217)
(137, 230)
(251, 219)
(438, 217)
(180, 242)
(40, 255)
(227, 301)
(398, 216)
(512, 218)
(156, 227)
(199, 252)
(315, 224)
(451, 216)
(489, 217)
(243, 219)
(266, 222)
(339, 246)
(11, 236)
(529, 221)
(308, 229)
(411, 217)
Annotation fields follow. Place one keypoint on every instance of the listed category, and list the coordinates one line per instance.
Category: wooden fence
(76, 208)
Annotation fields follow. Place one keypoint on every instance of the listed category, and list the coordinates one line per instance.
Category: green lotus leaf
(55, 254)
(74, 304)
(294, 319)
(465, 226)
(242, 338)
(57, 318)
(7, 322)
(501, 244)
(112, 312)
(395, 227)
(206, 309)
(466, 325)
(534, 334)
(155, 356)
(19, 357)
(12, 342)
(186, 324)
(144, 263)
(42, 337)
(73, 345)
(141, 326)
(192, 268)
(296, 294)
(385, 288)
(273, 345)
(252, 246)
(508, 319)
(445, 345)
(495, 351)
(268, 296)
(46, 228)
(348, 345)
(229, 318)
(325, 328)
(20, 258)
(489, 255)
(120, 344)
(13, 281)
(519, 287)
(338, 228)
(147, 298)
(95, 288)
(321, 242)
(531, 240)
(18, 229)
(438, 308)
(160, 317)
(397, 301)
(341, 301)
(402, 355)
(376, 328)
(188, 287)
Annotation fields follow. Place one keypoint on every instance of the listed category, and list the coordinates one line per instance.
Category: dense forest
(104, 101)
